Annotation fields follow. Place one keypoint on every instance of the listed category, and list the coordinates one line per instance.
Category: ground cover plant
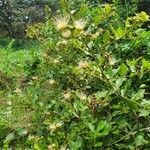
(87, 89)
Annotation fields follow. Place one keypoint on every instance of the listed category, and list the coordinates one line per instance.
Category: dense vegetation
(80, 83)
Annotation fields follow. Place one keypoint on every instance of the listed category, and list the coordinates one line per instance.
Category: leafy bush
(90, 87)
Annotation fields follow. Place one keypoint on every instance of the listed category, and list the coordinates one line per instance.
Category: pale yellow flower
(9, 102)
(63, 148)
(45, 55)
(52, 147)
(80, 24)
(66, 33)
(54, 126)
(35, 78)
(82, 64)
(62, 43)
(82, 96)
(61, 22)
(59, 124)
(73, 11)
(17, 90)
(31, 137)
(112, 61)
(51, 81)
(95, 35)
(67, 95)
(56, 61)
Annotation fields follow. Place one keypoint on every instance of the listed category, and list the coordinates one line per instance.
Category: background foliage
(15, 15)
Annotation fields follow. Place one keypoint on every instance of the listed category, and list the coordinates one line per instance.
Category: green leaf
(101, 94)
(82, 11)
(120, 33)
(75, 145)
(139, 95)
(132, 65)
(143, 113)
(119, 83)
(146, 103)
(64, 6)
(92, 128)
(98, 144)
(105, 130)
(113, 29)
(145, 65)
(106, 37)
(139, 140)
(108, 8)
(101, 125)
(123, 70)
(101, 60)
(132, 104)
(127, 23)
(142, 16)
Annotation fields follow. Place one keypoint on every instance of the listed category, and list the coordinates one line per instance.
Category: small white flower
(95, 35)
(31, 137)
(112, 61)
(82, 78)
(82, 64)
(73, 11)
(63, 148)
(17, 90)
(9, 102)
(67, 95)
(66, 33)
(80, 24)
(29, 125)
(24, 132)
(51, 81)
(56, 61)
(59, 124)
(52, 147)
(61, 22)
(35, 78)
(63, 42)
(45, 55)
(83, 96)
(54, 126)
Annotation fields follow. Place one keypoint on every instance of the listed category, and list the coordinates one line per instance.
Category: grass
(14, 59)
(14, 70)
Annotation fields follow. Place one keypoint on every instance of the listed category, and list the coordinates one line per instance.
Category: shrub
(91, 87)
